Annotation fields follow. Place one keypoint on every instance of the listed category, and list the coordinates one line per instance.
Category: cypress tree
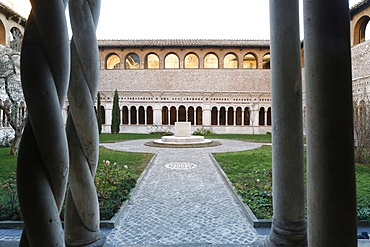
(115, 114)
(98, 114)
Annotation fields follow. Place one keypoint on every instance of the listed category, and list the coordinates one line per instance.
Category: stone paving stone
(186, 205)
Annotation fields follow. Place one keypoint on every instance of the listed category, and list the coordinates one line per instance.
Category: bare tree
(12, 102)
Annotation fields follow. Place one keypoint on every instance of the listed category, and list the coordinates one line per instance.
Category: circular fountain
(182, 137)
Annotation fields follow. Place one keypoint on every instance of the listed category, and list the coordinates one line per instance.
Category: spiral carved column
(82, 208)
(42, 167)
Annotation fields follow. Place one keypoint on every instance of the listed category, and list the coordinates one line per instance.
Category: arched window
(133, 115)
(164, 115)
(191, 115)
(230, 116)
(102, 111)
(112, 62)
(247, 116)
(222, 116)
(249, 61)
(152, 61)
(191, 61)
(124, 115)
(230, 61)
(171, 61)
(16, 38)
(2, 34)
(266, 61)
(360, 30)
(173, 117)
(149, 115)
(239, 116)
(141, 115)
(211, 61)
(132, 61)
(269, 116)
(199, 116)
(261, 119)
(214, 115)
(182, 114)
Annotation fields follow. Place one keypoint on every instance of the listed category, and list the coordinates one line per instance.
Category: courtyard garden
(249, 171)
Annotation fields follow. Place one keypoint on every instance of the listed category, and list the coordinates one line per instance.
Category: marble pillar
(288, 225)
(331, 191)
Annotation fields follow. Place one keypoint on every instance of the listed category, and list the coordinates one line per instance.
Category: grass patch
(242, 137)
(107, 137)
(116, 175)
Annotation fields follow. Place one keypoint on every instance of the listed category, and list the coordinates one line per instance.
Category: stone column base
(285, 233)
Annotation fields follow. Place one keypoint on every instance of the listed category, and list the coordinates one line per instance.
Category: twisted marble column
(42, 167)
(82, 208)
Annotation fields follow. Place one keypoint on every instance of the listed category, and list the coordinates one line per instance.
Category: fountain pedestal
(182, 136)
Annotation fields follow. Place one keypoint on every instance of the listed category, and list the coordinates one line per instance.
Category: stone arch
(222, 117)
(132, 61)
(112, 61)
(133, 115)
(230, 115)
(102, 111)
(191, 115)
(181, 114)
(141, 115)
(359, 30)
(239, 116)
(231, 61)
(191, 61)
(164, 115)
(250, 61)
(261, 116)
(199, 114)
(247, 116)
(210, 61)
(173, 117)
(266, 61)
(2, 34)
(151, 61)
(214, 115)
(149, 115)
(124, 115)
(171, 61)
(268, 120)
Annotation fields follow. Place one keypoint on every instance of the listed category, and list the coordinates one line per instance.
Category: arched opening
(191, 61)
(222, 116)
(360, 30)
(269, 116)
(199, 116)
(261, 119)
(113, 61)
(164, 115)
(173, 117)
(211, 61)
(247, 116)
(230, 116)
(239, 115)
(133, 115)
(214, 115)
(191, 115)
(250, 61)
(149, 115)
(182, 114)
(230, 61)
(171, 61)
(266, 61)
(2, 34)
(141, 115)
(152, 61)
(124, 115)
(132, 61)
(102, 111)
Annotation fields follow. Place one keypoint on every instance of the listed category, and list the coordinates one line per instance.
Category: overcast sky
(190, 19)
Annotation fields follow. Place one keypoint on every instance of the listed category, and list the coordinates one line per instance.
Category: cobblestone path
(183, 200)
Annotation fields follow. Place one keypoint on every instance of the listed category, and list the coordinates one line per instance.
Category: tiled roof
(183, 43)
(359, 7)
(11, 14)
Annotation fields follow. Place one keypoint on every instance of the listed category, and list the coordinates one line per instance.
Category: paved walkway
(183, 199)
